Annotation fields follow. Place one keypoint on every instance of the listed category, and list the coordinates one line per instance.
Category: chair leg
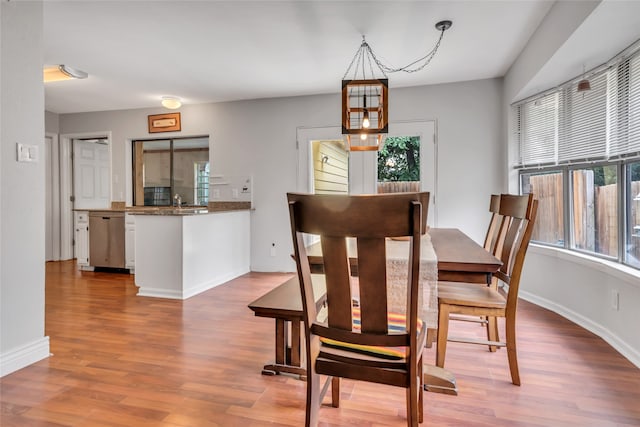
(335, 392)
(443, 332)
(421, 390)
(313, 398)
(412, 402)
(492, 331)
(512, 354)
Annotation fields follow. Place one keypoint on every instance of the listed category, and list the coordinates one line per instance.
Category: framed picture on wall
(169, 122)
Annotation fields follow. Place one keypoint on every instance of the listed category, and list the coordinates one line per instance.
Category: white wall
(51, 122)
(258, 138)
(22, 197)
(575, 286)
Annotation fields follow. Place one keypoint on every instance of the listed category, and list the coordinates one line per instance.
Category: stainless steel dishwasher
(106, 239)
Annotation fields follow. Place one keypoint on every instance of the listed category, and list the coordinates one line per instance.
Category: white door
(91, 174)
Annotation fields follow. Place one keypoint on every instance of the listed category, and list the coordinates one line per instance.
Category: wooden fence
(595, 219)
(398, 186)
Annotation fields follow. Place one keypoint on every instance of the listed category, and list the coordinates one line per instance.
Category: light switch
(27, 153)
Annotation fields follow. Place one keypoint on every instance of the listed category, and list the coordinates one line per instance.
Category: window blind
(624, 109)
(582, 135)
(537, 131)
(566, 126)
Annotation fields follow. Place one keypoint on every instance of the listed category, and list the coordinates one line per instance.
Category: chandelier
(365, 97)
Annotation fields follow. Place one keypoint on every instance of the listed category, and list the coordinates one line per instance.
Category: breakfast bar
(183, 252)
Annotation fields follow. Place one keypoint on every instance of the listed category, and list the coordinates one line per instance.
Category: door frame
(363, 166)
(55, 220)
(66, 186)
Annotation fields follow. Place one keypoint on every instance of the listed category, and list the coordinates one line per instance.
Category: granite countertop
(213, 207)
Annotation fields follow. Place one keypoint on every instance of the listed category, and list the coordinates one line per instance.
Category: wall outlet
(215, 194)
(614, 298)
(234, 193)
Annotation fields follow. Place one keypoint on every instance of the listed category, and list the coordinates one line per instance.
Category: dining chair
(518, 218)
(491, 238)
(367, 342)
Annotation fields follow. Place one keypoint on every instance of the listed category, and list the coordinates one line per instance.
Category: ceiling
(211, 51)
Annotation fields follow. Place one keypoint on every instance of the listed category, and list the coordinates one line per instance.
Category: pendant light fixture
(584, 84)
(365, 97)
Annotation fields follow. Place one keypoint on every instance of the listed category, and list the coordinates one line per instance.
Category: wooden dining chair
(365, 343)
(491, 238)
(518, 218)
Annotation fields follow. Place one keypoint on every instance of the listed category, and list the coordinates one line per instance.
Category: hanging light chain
(366, 50)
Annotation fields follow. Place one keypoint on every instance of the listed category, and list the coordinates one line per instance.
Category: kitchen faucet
(177, 200)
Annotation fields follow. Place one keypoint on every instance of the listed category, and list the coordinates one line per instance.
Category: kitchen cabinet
(129, 242)
(81, 238)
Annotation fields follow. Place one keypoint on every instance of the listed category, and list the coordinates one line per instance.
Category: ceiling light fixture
(62, 72)
(365, 97)
(171, 102)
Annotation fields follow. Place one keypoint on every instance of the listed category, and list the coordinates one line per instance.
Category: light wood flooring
(123, 360)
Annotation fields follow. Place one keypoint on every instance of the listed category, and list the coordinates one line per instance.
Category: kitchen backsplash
(223, 188)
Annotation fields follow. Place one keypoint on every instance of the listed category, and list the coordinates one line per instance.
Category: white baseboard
(622, 347)
(219, 280)
(23, 356)
(194, 290)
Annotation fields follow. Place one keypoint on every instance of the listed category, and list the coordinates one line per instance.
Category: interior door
(91, 174)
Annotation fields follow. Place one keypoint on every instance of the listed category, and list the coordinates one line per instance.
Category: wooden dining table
(459, 258)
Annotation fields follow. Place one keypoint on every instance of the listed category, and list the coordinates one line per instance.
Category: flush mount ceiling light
(171, 102)
(365, 97)
(62, 72)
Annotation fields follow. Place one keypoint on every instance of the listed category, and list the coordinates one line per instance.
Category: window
(595, 209)
(164, 168)
(632, 252)
(579, 152)
(399, 164)
(548, 189)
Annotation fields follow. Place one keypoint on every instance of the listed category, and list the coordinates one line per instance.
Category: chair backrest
(494, 224)
(370, 219)
(518, 218)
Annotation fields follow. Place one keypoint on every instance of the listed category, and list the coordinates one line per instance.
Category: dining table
(447, 254)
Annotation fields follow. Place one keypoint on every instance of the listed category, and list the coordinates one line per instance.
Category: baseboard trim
(612, 339)
(23, 356)
(195, 290)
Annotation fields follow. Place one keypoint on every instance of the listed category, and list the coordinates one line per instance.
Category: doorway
(87, 187)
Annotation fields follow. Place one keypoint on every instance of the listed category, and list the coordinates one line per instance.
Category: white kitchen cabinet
(129, 243)
(82, 238)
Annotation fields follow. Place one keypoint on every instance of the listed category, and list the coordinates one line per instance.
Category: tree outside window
(399, 159)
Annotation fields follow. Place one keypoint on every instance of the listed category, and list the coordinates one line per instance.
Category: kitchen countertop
(213, 207)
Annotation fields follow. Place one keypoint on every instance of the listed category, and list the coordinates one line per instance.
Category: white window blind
(537, 131)
(624, 108)
(583, 117)
(567, 126)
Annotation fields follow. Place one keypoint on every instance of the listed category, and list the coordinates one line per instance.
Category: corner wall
(22, 339)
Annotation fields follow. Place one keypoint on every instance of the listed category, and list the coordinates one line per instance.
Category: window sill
(614, 269)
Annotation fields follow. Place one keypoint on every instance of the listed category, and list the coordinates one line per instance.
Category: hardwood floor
(123, 360)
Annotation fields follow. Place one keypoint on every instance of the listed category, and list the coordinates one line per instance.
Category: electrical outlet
(234, 193)
(215, 194)
(614, 297)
